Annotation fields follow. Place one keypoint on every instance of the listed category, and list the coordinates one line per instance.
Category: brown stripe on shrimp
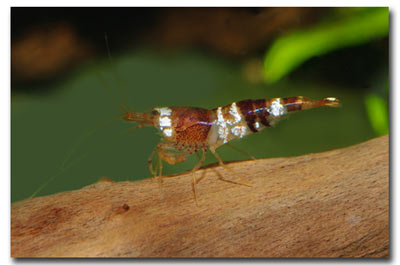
(292, 104)
(247, 109)
(260, 106)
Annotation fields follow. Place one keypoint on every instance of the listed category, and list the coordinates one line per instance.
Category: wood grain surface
(331, 204)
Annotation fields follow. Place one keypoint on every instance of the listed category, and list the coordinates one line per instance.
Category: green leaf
(291, 50)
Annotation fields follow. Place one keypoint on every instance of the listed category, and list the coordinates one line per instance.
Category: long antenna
(67, 163)
(117, 79)
(109, 90)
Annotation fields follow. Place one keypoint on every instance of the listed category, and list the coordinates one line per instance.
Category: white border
(5, 96)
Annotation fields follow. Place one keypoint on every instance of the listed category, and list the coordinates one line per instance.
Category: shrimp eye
(154, 112)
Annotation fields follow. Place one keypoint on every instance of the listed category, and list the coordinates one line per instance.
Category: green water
(45, 129)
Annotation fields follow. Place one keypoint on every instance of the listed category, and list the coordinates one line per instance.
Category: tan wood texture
(331, 204)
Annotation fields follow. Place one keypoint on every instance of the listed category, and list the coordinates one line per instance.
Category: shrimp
(187, 130)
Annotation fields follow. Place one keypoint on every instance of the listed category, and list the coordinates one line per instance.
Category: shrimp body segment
(186, 130)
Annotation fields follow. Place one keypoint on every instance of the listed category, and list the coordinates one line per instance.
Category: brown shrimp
(186, 130)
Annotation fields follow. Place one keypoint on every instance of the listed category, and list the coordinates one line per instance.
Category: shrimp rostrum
(187, 130)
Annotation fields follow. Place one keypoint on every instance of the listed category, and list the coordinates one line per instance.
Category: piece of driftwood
(331, 204)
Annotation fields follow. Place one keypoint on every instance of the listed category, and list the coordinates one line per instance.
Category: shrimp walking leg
(221, 163)
(219, 176)
(194, 169)
(150, 160)
(160, 167)
(157, 172)
(241, 151)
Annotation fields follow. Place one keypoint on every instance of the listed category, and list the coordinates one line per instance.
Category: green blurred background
(65, 88)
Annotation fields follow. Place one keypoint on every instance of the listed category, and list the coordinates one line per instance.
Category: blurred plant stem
(377, 111)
